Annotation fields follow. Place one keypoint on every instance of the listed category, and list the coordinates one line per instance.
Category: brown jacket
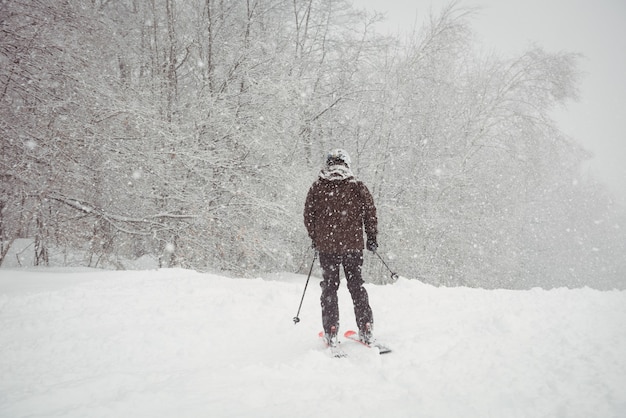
(335, 213)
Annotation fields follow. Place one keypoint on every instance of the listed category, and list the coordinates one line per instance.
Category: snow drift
(164, 343)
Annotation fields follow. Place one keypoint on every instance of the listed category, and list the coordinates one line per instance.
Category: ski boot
(331, 337)
(365, 334)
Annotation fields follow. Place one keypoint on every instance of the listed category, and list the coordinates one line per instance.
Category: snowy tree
(191, 131)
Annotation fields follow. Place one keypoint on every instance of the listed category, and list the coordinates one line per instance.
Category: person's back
(336, 211)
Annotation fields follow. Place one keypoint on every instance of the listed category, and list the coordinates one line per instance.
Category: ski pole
(296, 318)
(394, 276)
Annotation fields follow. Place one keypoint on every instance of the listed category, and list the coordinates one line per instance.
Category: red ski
(354, 336)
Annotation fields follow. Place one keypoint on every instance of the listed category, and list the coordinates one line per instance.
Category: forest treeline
(191, 131)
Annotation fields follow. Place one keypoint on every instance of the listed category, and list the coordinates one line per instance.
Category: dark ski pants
(352, 263)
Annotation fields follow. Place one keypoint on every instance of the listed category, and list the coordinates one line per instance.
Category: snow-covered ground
(177, 343)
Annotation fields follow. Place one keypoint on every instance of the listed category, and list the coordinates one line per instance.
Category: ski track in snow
(164, 343)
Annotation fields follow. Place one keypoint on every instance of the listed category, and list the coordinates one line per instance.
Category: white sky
(597, 29)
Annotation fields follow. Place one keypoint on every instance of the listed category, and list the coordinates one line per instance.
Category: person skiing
(338, 209)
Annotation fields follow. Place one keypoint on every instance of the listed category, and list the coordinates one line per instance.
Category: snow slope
(176, 343)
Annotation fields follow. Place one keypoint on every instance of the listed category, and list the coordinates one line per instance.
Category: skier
(337, 210)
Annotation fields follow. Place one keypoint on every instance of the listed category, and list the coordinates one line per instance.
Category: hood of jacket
(336, 172)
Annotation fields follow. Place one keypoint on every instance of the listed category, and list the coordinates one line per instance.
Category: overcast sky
(597, 29)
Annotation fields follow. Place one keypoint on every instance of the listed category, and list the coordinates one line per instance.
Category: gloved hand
(371, 244)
